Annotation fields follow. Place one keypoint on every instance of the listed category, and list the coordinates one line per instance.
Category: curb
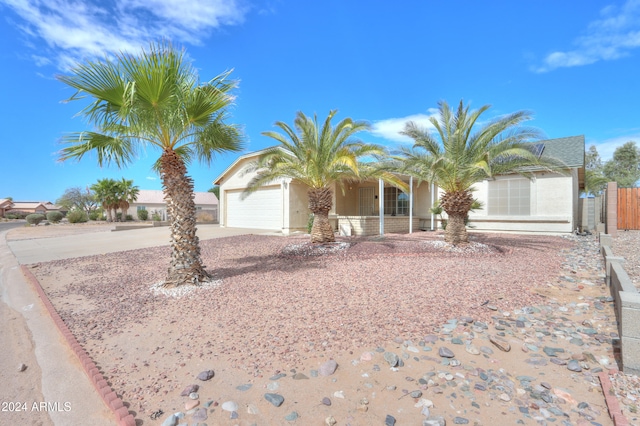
(109, 397)
(613, 406)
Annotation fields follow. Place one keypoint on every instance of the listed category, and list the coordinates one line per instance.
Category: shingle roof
(569, 150)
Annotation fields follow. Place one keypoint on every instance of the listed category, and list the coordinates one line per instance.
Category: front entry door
(367, 201)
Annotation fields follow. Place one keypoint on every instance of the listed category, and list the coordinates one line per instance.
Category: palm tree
(106, 193)
(462, 155)
(320, 158)
(156, 100)
(127, 193)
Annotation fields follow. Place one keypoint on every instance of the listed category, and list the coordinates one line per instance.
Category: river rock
(206, 375)
(274, 399)
(501, 344)
(328, 368)
(445, 352)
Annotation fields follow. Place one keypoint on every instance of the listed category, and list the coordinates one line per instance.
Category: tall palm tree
(106, 193)
(463, 153)
(127, 194)
(320, 158)
(156, 100)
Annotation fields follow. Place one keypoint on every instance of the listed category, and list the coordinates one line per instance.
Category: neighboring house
(548, 203)
(153, 202)
(42, 207)
(5, 204)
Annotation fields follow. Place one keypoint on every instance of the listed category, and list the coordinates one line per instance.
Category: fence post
(612, 208)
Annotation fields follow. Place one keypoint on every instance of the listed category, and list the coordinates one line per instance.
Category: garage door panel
(260, 210)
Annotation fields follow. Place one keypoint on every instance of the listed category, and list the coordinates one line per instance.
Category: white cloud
(608, 146)
(151, 178)
(72, 30)
(609, 38)
(390, 128)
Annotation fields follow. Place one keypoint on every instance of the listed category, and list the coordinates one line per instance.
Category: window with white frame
(509, 197)
(396, 202)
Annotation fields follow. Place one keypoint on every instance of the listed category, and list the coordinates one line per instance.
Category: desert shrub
(11, 216)
(54, 217)
(129, 217)
(310, 223)
(155, 217)
(119, 216)
(35, 218)
(18, 214)
(94, 215)
(77, 216)
(143, 214)
(204, 217)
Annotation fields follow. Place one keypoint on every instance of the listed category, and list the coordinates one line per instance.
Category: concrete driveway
(36, 250)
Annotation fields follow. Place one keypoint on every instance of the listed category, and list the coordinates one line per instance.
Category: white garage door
(260, 210)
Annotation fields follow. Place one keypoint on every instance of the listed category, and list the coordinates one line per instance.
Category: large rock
(206, 375)
(274, 399)
(328, 368)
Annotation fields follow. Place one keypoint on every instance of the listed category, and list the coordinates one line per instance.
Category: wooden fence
(628, 208)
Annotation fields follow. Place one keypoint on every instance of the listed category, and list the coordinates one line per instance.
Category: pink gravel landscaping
(278, 305)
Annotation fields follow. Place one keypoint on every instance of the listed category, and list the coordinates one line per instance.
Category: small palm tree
(462, 155)
(127, 194)
(320, 158)
(157, 100)
(106, 193)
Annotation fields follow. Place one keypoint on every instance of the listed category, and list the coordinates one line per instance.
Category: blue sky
(573, 64)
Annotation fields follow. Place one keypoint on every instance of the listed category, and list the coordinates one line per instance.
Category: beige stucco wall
(553, 205)
(298, 207)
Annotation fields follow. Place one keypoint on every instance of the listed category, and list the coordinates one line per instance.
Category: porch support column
(433, 190)
(381, 202)
(411, 204)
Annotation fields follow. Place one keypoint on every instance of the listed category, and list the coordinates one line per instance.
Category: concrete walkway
(61, 377)
(63, 382)
(55, 248)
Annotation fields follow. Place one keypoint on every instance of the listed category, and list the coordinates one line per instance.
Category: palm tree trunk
(457, 205)
(108, 209)
(124, 206)
(320, 202)
(456, 231)
(186, 266)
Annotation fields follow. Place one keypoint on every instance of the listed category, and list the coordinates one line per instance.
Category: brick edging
(612, 402)
(98, 381)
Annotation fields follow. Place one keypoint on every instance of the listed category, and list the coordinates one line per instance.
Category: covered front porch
(375, 208)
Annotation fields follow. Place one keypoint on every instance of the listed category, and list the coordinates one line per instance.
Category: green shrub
(129, 217)
(54, 217)
(155, 217)
(118, 216)
(35, 219)
(143, 214)
(310, 223)
(94, 215)
(17, 214)
(77, 216)
(11, 216)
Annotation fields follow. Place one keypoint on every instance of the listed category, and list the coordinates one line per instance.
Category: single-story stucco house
(547, 203)
(5, 204)
(41, 207)
(153, 202)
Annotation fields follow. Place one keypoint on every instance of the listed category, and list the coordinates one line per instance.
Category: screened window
(141, 208)
(396, 202)
(510, 197)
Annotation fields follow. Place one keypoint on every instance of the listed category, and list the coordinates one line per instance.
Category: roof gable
(244, 157)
